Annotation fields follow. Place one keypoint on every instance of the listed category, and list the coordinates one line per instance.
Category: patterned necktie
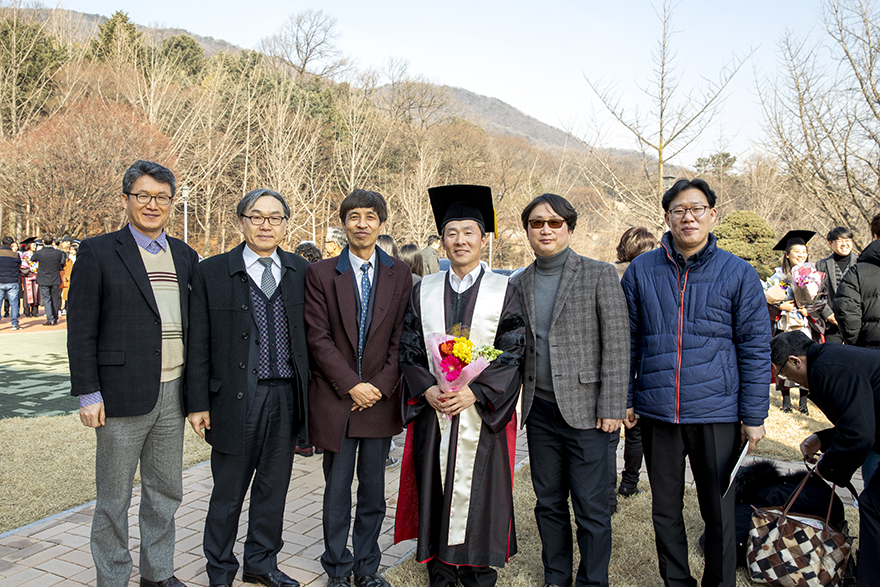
(365, 301)
(267, 282)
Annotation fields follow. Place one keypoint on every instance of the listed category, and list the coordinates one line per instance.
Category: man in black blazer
(51, 262)
(247, 377)
(126, 334)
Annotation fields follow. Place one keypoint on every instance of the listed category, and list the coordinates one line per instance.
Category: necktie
(267, 282)
(365, 301)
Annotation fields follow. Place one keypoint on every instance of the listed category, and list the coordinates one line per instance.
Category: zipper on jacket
(681, 287)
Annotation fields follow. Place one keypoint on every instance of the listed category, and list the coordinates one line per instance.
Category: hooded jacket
(857, 301)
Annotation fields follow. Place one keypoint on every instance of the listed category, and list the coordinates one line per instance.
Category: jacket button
(156, 322)
(241, 365)
(244, 307)
(257, 341)
(254, 371)
(531, 378)
(243, 279)
(239, 395)
(244, 335)
(158, 352)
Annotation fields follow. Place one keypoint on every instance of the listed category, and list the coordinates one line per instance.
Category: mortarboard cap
(794, 237)
(463, 202)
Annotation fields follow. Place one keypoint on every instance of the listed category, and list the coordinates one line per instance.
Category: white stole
(484, 325)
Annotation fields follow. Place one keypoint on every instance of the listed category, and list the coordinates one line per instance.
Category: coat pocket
(214, 385)
(111, 357)
(590, 376)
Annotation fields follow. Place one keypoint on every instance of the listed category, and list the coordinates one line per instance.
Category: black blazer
(221, 354)
(51, 262)
(114, 330)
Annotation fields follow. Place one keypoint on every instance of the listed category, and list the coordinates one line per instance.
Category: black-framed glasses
(162, 200)
(554, 223)
(696, 211)
(259, 220)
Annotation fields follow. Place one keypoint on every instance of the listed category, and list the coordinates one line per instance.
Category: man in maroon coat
(355, 305)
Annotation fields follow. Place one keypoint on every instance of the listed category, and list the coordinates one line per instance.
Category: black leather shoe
(550, 585)
(371, 580)
(627, 491)
(271, 579)
(339, 582)
(170, 582)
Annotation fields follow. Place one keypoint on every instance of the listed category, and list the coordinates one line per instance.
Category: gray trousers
(156, 440)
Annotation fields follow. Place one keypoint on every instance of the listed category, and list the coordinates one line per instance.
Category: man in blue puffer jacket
(700, 346)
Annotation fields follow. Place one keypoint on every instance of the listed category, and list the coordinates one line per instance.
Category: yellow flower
(463, 349)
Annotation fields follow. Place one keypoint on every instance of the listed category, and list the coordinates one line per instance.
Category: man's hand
(608, 424)
(200, 421)
(432, 394)
(364, 395)
(92, 415)
(455, 402)
(631, 418)
(752, 435)
(810, 447)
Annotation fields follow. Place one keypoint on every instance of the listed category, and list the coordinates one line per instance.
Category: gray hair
(250, 198)
(337, 235)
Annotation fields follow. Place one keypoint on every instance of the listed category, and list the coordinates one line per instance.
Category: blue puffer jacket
(700, 340)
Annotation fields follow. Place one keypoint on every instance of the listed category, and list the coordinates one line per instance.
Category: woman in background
(412, 256)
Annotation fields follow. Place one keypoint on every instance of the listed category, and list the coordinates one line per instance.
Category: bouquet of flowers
(776, 287)
(457, 360)
(806, 284)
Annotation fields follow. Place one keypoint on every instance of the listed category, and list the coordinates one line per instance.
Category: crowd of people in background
(328, 350)
(35, 272)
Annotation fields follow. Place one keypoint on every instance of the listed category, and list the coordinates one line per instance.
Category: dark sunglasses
(553, 222)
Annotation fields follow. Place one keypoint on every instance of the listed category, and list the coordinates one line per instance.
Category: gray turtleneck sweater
(548, 275)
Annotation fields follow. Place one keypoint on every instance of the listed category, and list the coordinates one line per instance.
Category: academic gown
(423, 508)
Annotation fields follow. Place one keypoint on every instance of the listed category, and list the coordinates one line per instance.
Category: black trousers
(711, 450)
(268, 461)
(632, 461)
(51, 295)
(565, 462)
(442, 574)
(869, 534)
(367, 455)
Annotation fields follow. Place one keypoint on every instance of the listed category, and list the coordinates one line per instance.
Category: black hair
(48, 239)
(8, 240)
(875, 226)
(412, 256)
(308, 251)
(140, 168)
(364, 199)
(839, 232)
(388, 244)
(688, 184)
(250, 198)
(433, 239)
(559, 205)
(789, 344)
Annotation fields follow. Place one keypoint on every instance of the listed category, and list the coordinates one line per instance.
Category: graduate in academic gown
(463, 520)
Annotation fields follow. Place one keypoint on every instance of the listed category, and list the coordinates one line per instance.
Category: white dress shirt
(255, 268)
(461, 285)
(356, 263)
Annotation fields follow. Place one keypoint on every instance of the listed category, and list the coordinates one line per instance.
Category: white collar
(250, 257)
(461, 285)
(356, 261)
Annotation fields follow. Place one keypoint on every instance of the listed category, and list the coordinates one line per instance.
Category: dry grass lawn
(47, 465)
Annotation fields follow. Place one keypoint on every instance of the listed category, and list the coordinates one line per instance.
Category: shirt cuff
(90, 398)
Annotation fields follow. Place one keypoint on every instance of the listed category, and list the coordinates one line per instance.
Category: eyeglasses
(553, 222)
(259, 220)
(145, 199)
(696, 211)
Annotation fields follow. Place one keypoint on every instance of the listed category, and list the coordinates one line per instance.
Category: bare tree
(306, 43)
(671, 123)
(824, 116)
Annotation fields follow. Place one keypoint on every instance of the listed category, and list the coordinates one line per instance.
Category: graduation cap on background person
(794, 237)
(463, 202)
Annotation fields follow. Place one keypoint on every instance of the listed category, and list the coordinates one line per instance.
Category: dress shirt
(461, 285)
(146, 243)
(356, 263)
(255, 268)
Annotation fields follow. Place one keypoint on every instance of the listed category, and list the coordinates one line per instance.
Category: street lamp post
(184, 195)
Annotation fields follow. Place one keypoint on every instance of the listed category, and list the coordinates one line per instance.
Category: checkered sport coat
(589, 342)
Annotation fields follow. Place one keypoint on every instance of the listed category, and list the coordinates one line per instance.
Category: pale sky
(534, 56)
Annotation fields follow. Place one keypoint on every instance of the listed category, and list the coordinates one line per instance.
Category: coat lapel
(183, 271)
(528, 289)
(129, 251)
(569, 274)
(346, 298)
(385, 284)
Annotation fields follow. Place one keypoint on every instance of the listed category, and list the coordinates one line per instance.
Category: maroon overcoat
(331, 320)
